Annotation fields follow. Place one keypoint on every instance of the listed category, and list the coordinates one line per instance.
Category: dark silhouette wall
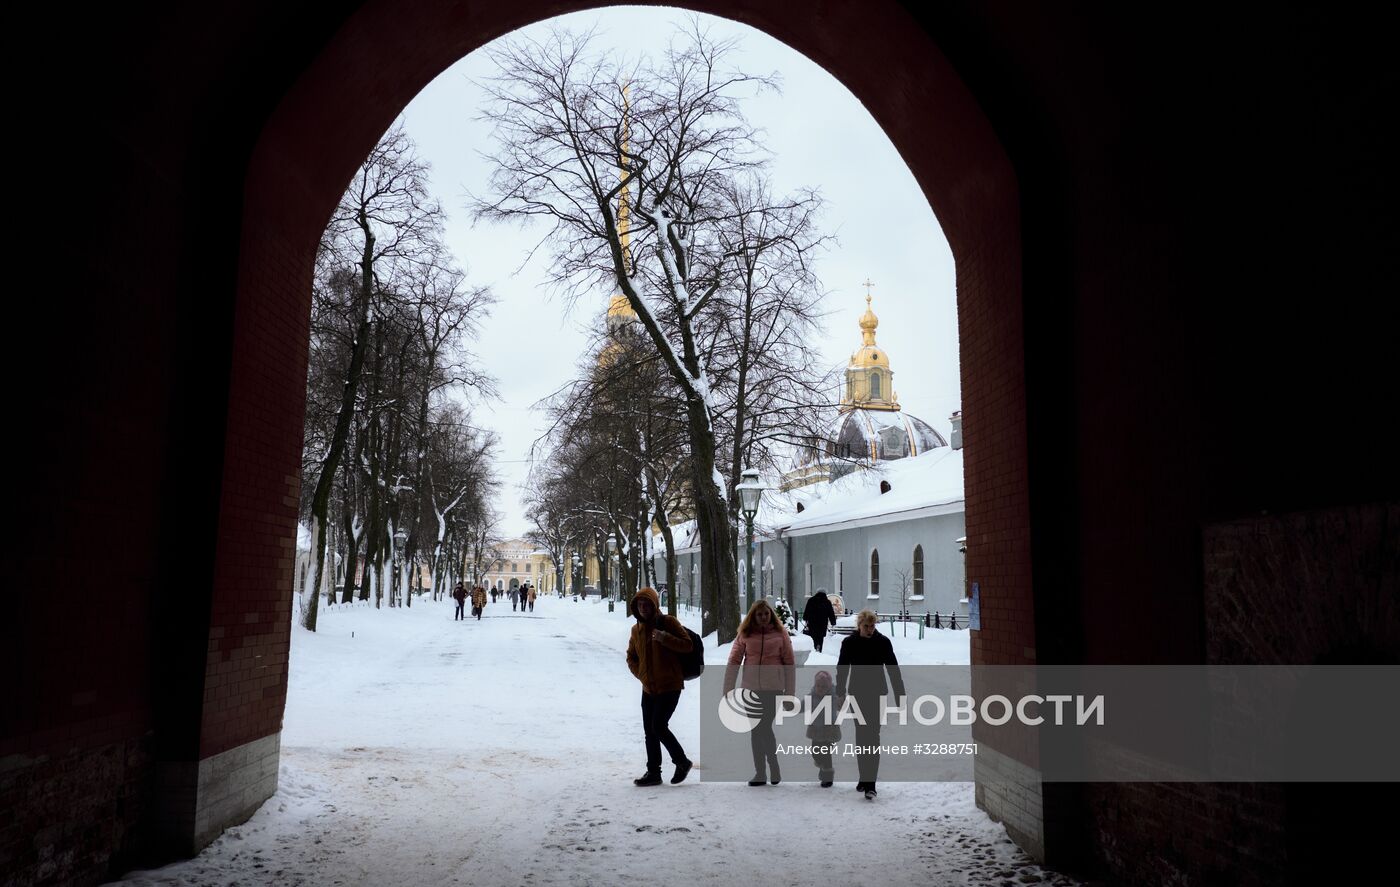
(1174, 240)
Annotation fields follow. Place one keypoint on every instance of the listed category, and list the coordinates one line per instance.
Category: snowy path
(423, 751)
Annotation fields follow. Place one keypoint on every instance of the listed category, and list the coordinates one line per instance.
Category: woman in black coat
(818, 614)
(872, 654)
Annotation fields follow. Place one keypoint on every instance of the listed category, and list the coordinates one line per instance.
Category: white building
(874, 515)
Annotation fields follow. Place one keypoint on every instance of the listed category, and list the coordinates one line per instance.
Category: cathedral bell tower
(869, 380)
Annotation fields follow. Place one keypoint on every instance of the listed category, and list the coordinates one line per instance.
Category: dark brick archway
(1172, 250)
(329, 121)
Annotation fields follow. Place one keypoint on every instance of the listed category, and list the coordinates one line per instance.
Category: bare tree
(384, 439)
(902, 586)
(567, 120)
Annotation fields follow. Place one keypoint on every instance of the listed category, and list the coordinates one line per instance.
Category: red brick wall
(246, 671)
(1172, 245)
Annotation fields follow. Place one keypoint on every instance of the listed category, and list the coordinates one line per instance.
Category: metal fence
(925, 621)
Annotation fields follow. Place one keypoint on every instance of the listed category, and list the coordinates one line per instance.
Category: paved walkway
(426, 751)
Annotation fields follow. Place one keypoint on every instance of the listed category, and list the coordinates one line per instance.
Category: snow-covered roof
(927, 484)
(920, 486)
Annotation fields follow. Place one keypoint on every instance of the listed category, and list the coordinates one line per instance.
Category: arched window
(767, 576)
(874, 573)
(808, 579)
(875, 385)
(918, 571)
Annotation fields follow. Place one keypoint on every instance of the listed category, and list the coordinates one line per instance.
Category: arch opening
(324, 126)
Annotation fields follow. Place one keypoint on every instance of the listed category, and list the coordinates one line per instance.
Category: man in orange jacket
(652, 656)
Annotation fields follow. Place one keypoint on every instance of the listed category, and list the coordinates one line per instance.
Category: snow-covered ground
(417, 750)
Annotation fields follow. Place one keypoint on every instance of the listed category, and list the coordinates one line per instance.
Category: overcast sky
(820, 136)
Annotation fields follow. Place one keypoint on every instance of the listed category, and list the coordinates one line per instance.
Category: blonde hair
(747, 625)
(865, 616)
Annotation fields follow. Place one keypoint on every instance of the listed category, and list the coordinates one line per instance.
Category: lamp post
(750, 491)
(400, 537)
(612, 569)
(611, 545)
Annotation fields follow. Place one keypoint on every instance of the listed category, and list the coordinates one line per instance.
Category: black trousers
(869, 735)
(460, 606)
(817, 641)
(762, 740)
(657, 709)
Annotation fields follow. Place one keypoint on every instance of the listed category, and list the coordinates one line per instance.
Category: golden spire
(619, 309)
(868, 320)
(868, 376)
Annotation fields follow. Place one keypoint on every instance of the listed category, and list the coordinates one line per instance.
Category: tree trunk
(373, 530)
(663, 520)
(352, 543)
(718, 574)
(320, 501)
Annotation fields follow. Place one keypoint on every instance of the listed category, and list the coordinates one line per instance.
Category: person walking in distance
(531, 589)
(819, 616)
(764, 650)
(865, 658)
(459, 594)
(478, 602)
(652, 650)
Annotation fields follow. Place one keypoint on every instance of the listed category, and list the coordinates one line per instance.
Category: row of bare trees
(655, 185)
(397, 479)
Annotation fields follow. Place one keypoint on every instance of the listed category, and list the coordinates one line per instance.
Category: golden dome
(868, 323)
(869, 354)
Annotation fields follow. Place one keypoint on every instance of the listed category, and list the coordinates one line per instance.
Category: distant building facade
(517, 563)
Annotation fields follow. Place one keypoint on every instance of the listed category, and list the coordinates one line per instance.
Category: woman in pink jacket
(765, 651)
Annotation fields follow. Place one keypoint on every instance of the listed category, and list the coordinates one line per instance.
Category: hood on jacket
(651, 595)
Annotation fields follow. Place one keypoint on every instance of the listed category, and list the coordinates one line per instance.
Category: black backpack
(693, 663)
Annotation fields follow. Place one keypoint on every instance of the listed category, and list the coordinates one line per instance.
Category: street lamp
(750, 492)
(611, 544)
(400, 539)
